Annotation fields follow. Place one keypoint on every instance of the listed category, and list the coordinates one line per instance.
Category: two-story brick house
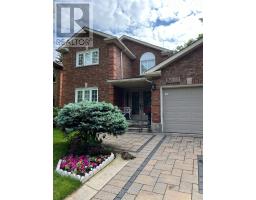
(153, 83)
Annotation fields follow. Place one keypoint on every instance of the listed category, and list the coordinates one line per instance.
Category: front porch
(133, 97)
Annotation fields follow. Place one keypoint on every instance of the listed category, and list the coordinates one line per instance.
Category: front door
(140, 103)
(135, 103)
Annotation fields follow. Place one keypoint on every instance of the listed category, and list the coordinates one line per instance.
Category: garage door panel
(183, 110)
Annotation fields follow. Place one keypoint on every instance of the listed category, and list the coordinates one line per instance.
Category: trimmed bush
(55, 114)
(90, 119)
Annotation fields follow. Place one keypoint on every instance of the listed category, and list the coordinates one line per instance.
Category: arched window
(147, 60)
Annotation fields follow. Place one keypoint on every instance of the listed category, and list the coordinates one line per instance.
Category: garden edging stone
(87, 176)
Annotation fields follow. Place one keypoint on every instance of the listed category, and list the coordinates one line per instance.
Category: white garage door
(183, 110)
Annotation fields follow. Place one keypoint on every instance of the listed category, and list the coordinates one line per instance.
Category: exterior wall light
(153, 86)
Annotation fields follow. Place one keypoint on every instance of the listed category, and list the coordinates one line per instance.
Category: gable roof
(176, 56)
(117, 41)
(105, 35)
(125, 37)
(108, 38)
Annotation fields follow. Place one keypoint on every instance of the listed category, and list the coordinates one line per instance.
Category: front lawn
(62, 186)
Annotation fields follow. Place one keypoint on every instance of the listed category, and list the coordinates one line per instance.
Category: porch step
(138, 126)
(137, 123)
(137, 129)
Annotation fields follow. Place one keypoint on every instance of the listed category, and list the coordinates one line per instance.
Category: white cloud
(172, 35)
(178, 8)
(135, 18)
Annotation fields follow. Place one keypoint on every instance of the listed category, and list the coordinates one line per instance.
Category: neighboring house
(57, 73)
(156, 85)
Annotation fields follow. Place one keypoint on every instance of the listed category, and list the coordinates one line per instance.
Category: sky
(166, 23)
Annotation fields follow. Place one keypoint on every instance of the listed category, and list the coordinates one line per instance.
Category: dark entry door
(135, 103)
(147, 102)
(141, 103)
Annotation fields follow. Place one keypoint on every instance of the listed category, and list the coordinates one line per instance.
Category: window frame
(83, 93)
(84, 58)
(147, 61)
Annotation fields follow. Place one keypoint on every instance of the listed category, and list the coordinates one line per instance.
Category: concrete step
(137, 123)
(137, 129)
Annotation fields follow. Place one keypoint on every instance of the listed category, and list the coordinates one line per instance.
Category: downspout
(122, 71)
(153, 87)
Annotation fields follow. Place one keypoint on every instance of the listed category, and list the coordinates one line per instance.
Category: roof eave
(85, 29)
(121, 45)
(176, 56)
(57, 65)
(163, 50)
(62, 50)
(153, 74)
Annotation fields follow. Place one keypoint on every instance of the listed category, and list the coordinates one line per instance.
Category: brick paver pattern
(127, 142)
(170, 174)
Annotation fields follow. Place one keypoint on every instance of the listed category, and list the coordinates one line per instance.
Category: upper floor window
(86, 94)
(89, 57)
(147, 60)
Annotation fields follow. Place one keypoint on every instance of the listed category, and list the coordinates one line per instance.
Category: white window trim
(83, 52)
(86, 89)
(144, 60)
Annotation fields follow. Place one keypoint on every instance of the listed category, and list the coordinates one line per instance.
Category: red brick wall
(191, 65)
(155, 103)
(94, 75)
(120, 71)
(115, 62)
(57, 87)
(138, 50)
(127, 66)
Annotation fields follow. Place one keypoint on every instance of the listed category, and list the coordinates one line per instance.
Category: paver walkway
(165, 168)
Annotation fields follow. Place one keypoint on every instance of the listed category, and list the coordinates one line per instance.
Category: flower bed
(82, 167)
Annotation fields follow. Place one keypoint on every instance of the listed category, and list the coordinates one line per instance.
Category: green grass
(62, 186)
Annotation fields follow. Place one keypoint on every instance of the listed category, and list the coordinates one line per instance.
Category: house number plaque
(173, 80)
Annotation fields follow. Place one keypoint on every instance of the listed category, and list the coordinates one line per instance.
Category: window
(86, 94)
(89, 57)
(147, 61)
(80, 59)
(95, 57)
(79, 96)
(94, 95)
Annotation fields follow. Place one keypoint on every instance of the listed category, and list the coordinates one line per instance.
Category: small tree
(189, 42)
(59, 58)
(90, 119)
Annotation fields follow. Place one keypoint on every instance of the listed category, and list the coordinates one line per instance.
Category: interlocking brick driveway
(127, 142)
(166, 168)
